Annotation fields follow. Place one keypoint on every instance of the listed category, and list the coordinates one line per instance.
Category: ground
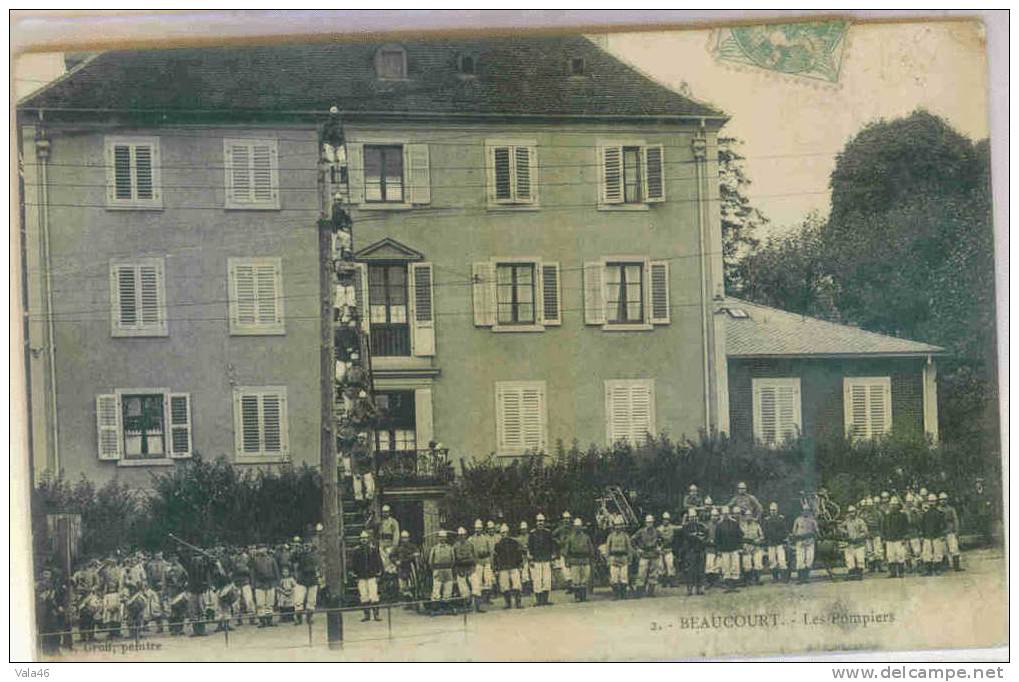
(955, 610)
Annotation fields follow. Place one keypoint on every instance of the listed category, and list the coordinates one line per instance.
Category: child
(89, 610)
(285, 596)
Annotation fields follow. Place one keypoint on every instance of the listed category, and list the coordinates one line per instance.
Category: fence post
(389, 620)
(226, 635)
(307, 619)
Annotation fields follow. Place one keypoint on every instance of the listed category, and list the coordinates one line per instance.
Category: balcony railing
(390, 340)
(415, 467)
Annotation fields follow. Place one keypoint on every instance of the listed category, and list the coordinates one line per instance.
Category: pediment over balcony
(388, 249)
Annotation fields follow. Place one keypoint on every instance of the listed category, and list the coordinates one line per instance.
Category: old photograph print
(666, 345)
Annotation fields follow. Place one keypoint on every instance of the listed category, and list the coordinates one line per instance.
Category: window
(388, 174)
(383, 173)
(387, 296)
(132, 172)
(467, 65)
(632, 174)
(256, 296)
(143, 426)
(629, 410)
(138, 297)
(626, 293)
(577, 66)
(391, 63)
(868, 406)
(777, 417)
(521, 418)
(516, 294)
(397, 423)
(260, 423)
(512, 172)
(252, 173)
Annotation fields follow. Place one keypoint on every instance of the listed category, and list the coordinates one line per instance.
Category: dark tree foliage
(740, 220)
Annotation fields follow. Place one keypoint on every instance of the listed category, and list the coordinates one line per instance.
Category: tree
(740, 220)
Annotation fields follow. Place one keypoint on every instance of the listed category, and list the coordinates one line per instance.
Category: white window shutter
(419, 174)
(483, 286)
(594, 292)
(423, 426)
(267, 294)
(764, 413)
(787, 407)
(509, 419)
(524, 167)
(551, 294)
(611, 174)
(855, 404)
(108, 426)
(111, 173)
(355, 171)
(361, 294)
(654, 173)
(239, 175)
(421, 298)
(150, 279)
(242, 281)
(264, 185)
(534, 417)
(880, 408)
(642, 421)
(660, 307)
(179, 420)
(617, 413)
(125, 300)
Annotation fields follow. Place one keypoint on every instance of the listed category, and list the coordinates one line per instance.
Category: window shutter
(267, 294)
(483, 285)
(855, 402)
(108, 426)
(654, 173)
(787, 399)
(419, 175)
(642, 425)
(594, 292)
(361, 294)
(533, 426)
(272, 424)
(125, 288)
(524, 166)
(551, 294)
(660, 307)
(143, 171)
(500, 175)
(629, 410)
(765, 428)
(423, 428)
(151, 296)
(239, 173)
(179, 419)
(245, 296)
(424, 316)
(879, 408)
(612, 175)
(355, 172)
(509, 419)
(262, 181)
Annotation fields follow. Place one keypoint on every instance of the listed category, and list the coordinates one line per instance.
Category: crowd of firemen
(710, 545)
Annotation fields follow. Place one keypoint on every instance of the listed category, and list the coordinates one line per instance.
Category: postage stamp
(807, 49)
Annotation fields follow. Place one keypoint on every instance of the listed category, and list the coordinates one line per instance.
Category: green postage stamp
(807, 49)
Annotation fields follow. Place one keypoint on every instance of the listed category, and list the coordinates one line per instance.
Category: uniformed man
(465, 561)
(111, 585)
(951, 532)
(441, 559)
(482, 578)
(648, 546)
(712, 563)
(932, 528)
(265, 573)
(508, 559)
(728, 543)
(692, 541)
(666, 532)
(885, 505)
(875, 550)
(389, 537)
(242, 579)
(618, 549)
(744, 500)
(561, 532)
(914, 546)
(155, 571)
(894, 531)
(540, 549)
(525, 570)
(692, 498)
(307, 578)
(579, 552)
(804, 535)
(90, 609)
(856, 533)
(492, 535)
(199, 581)
(406, 556)
(753, 548)
(176, 596)
(776, 531)
(366, 565)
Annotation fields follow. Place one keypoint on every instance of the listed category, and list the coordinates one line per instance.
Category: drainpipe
(42, 153)
(700, 153)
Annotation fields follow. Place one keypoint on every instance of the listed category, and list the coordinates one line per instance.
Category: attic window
(468, 65)
(577, 66)
(391, 63)
(738, 313)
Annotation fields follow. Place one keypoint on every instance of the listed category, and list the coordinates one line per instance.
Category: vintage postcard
(667, 344)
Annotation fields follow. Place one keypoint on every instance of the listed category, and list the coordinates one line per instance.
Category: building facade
(536, 226)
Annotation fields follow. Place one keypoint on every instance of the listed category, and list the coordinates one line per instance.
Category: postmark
(812, 50)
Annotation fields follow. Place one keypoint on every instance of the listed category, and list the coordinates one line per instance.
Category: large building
(537, 223)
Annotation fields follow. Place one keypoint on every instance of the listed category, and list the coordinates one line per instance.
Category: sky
(791, 127)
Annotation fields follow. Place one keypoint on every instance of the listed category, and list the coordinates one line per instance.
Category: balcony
(415, 467)
(389, 340)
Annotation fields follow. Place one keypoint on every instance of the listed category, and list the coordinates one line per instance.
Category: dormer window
(468, 65)
(391, 63)
(577, 66)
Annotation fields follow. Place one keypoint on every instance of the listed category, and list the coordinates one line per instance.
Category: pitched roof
(767, 331)
(525, 75)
